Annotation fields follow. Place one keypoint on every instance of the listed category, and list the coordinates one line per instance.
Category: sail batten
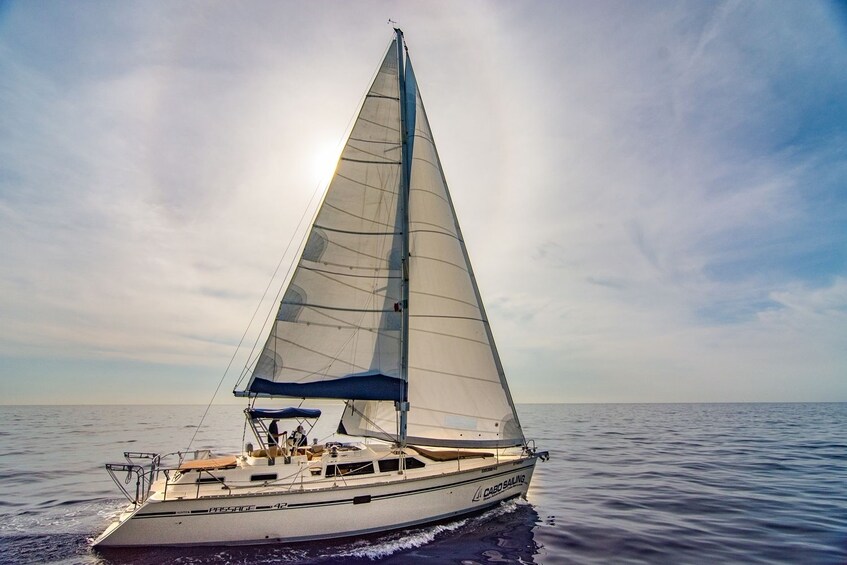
(371, 162)
(359, 232)
(337, 274)
(322, 307)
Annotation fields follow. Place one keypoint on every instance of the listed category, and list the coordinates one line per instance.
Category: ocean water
(626, 483)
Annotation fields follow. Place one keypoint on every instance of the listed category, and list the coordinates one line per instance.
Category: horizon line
(517, 403)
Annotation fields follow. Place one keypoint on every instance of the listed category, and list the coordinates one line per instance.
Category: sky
(653, 194)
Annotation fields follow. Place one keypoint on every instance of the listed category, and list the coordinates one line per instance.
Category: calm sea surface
(643, 483)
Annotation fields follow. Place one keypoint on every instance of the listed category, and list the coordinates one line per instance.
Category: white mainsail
(341, 318)
(337, 316)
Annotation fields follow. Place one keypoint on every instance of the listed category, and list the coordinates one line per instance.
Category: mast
(403, 407)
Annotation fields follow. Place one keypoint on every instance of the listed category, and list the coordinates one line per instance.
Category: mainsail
(345, 329)
(337, 315)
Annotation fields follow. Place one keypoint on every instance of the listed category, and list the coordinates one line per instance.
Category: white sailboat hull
(304, 515)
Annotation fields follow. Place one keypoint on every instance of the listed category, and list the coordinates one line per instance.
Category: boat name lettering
(488, 492)
(245, 508)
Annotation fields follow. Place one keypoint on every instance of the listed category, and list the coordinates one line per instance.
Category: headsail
(339, 332)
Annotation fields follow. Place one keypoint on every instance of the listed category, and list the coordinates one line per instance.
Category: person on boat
(273, 441)
(300, 439)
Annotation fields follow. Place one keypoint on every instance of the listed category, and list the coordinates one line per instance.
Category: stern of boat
(138, 477)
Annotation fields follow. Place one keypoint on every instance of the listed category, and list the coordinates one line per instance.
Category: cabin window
(386, 465)
(263, 477)
(201, 480)
(345, 469)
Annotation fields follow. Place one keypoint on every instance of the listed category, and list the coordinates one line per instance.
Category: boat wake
(406, 540)
(60, 517)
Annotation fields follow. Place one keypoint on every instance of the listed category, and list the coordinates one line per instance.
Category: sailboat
(382, 312)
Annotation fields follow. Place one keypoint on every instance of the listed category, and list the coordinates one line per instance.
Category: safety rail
(144, 477)
(145, 467)
(530, 449)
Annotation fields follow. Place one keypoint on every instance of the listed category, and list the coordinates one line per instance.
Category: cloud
(687, 195)
(651, 194)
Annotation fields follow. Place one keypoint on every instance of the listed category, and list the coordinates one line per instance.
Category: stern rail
(143, 479)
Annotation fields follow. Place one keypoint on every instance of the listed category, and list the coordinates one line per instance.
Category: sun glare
(324, 158)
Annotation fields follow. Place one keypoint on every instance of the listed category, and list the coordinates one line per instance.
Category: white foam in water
(112, 511)
(79, 517)
(411, 539)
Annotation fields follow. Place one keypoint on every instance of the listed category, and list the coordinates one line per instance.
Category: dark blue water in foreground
(647, 483)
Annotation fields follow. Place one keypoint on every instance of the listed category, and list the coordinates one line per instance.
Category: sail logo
(501, 487)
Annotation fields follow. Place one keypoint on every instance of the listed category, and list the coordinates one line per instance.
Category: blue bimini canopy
(284, 413)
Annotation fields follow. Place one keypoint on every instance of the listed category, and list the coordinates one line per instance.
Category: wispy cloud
(652, 194)
(687, 182)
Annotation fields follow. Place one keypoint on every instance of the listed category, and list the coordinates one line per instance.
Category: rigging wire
(279, 290)
(253, 317)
